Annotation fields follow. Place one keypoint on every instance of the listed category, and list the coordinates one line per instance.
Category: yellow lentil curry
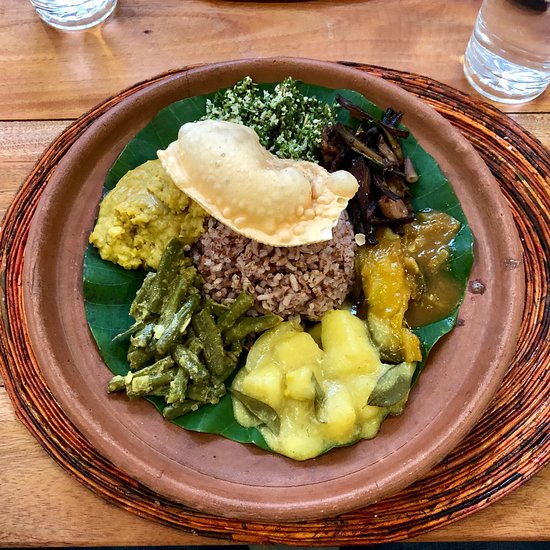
(141, 215)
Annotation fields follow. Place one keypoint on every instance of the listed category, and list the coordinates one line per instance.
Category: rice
(303, 280)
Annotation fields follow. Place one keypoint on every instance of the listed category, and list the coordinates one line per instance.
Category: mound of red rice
(303, 280)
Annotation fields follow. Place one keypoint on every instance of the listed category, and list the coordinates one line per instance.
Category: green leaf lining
(109, 289)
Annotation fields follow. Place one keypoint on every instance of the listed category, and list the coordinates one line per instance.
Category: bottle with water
(508, 56)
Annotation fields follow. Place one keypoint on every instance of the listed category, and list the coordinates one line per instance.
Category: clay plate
(215, 475)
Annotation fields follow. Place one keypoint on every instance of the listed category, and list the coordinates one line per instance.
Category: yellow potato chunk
(339, 415)
(297, 350)
(299, 384)
(261, 350)
(347, 343)
(265, 384)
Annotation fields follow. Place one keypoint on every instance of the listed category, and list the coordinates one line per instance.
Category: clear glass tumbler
(74, 15)
(508, 56)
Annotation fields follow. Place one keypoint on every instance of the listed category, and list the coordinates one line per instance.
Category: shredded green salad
(288, 123)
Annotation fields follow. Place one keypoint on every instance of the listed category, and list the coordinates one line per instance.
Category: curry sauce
(427, 240)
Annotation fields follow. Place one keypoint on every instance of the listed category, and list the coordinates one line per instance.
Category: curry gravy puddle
(427, 240)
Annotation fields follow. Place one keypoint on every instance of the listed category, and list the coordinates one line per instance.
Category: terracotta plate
(210, 473)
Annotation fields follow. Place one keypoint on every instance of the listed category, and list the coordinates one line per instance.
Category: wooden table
(49, 78)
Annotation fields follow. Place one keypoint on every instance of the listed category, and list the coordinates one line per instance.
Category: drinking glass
(74, 15)
(508, 56)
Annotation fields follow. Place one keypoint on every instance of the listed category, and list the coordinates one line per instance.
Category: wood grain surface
(50, 78)
(60, 75)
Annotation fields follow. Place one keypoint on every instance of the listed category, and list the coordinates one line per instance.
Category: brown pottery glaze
(215, 475)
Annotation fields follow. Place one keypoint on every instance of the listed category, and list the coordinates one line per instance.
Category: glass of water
(74, 15)
(508, 56)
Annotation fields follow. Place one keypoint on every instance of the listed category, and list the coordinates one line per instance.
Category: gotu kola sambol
(285, 266)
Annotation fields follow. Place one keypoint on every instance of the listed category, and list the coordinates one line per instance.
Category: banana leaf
(109, 289)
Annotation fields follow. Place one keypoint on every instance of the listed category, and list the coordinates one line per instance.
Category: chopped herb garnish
(288, 123)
